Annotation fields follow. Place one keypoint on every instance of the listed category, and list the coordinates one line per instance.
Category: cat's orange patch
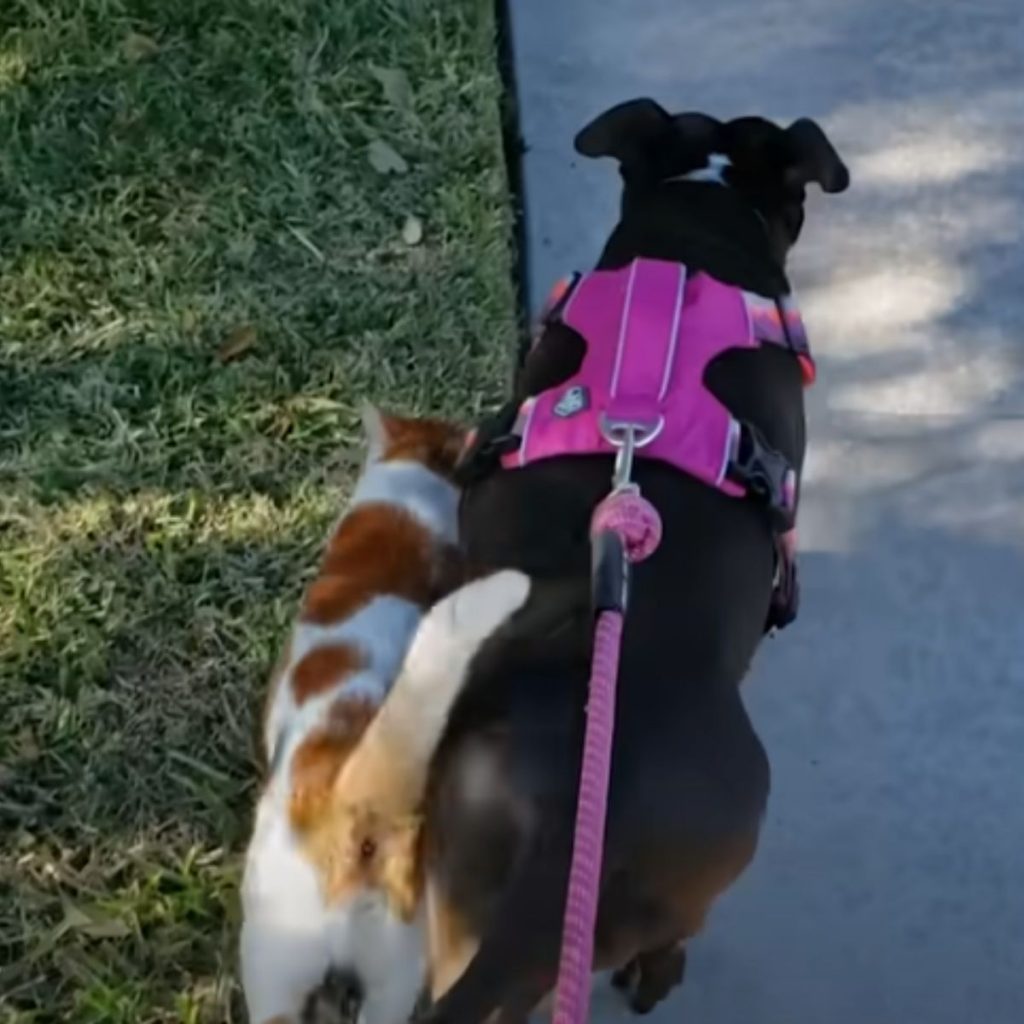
(322, 667)
(376, 550)
(321, 755)
(433, 443)
(357, 845)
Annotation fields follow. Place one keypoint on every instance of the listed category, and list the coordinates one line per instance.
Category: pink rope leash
(638, 526)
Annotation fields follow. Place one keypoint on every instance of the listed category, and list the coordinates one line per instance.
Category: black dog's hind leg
(649, 977)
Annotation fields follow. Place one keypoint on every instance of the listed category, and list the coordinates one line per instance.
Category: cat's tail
(388, 769)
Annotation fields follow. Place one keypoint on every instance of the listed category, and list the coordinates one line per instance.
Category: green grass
(176, 178)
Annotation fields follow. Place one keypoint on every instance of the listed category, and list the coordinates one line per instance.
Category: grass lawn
(222, 224)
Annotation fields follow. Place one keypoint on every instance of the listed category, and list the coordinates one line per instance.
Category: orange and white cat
(331, 874)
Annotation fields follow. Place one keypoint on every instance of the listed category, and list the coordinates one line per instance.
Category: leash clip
(627, 438)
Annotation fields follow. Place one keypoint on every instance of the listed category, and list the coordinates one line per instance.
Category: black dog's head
(768, 165)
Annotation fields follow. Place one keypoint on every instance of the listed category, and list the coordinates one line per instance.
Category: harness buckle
(493, 437)
(627, 438)
(766, 474)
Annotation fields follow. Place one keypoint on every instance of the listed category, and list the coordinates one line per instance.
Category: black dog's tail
(519, 953)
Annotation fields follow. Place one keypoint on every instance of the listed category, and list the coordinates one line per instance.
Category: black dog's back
(690, 777)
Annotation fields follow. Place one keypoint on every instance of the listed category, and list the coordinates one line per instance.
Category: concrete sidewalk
(890, 884)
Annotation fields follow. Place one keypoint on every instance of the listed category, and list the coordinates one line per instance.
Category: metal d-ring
(627, 438)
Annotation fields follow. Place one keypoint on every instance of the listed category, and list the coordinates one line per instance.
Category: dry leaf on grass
(94, 922)
(136, 47)
(384, 159)
(395, 84)
(238, 341)
(412, 230)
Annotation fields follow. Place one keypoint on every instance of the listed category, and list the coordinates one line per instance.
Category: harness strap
(646, 351)
(778, 322)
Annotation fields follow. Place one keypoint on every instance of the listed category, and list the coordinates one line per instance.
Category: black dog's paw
(647, 980)
(625, 978)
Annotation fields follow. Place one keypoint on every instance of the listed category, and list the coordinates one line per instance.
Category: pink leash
(637, 525)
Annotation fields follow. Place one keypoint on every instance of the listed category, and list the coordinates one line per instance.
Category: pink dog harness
(651, 330)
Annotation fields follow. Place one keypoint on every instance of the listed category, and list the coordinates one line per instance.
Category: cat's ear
(377, 428)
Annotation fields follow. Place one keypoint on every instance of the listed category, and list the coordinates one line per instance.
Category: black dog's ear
(623, 131)
(698, 130)
(815, 158)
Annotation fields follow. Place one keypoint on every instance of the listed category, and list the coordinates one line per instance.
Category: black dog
(690, 777)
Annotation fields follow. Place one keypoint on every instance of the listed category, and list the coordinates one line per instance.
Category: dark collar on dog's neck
(705, 225)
